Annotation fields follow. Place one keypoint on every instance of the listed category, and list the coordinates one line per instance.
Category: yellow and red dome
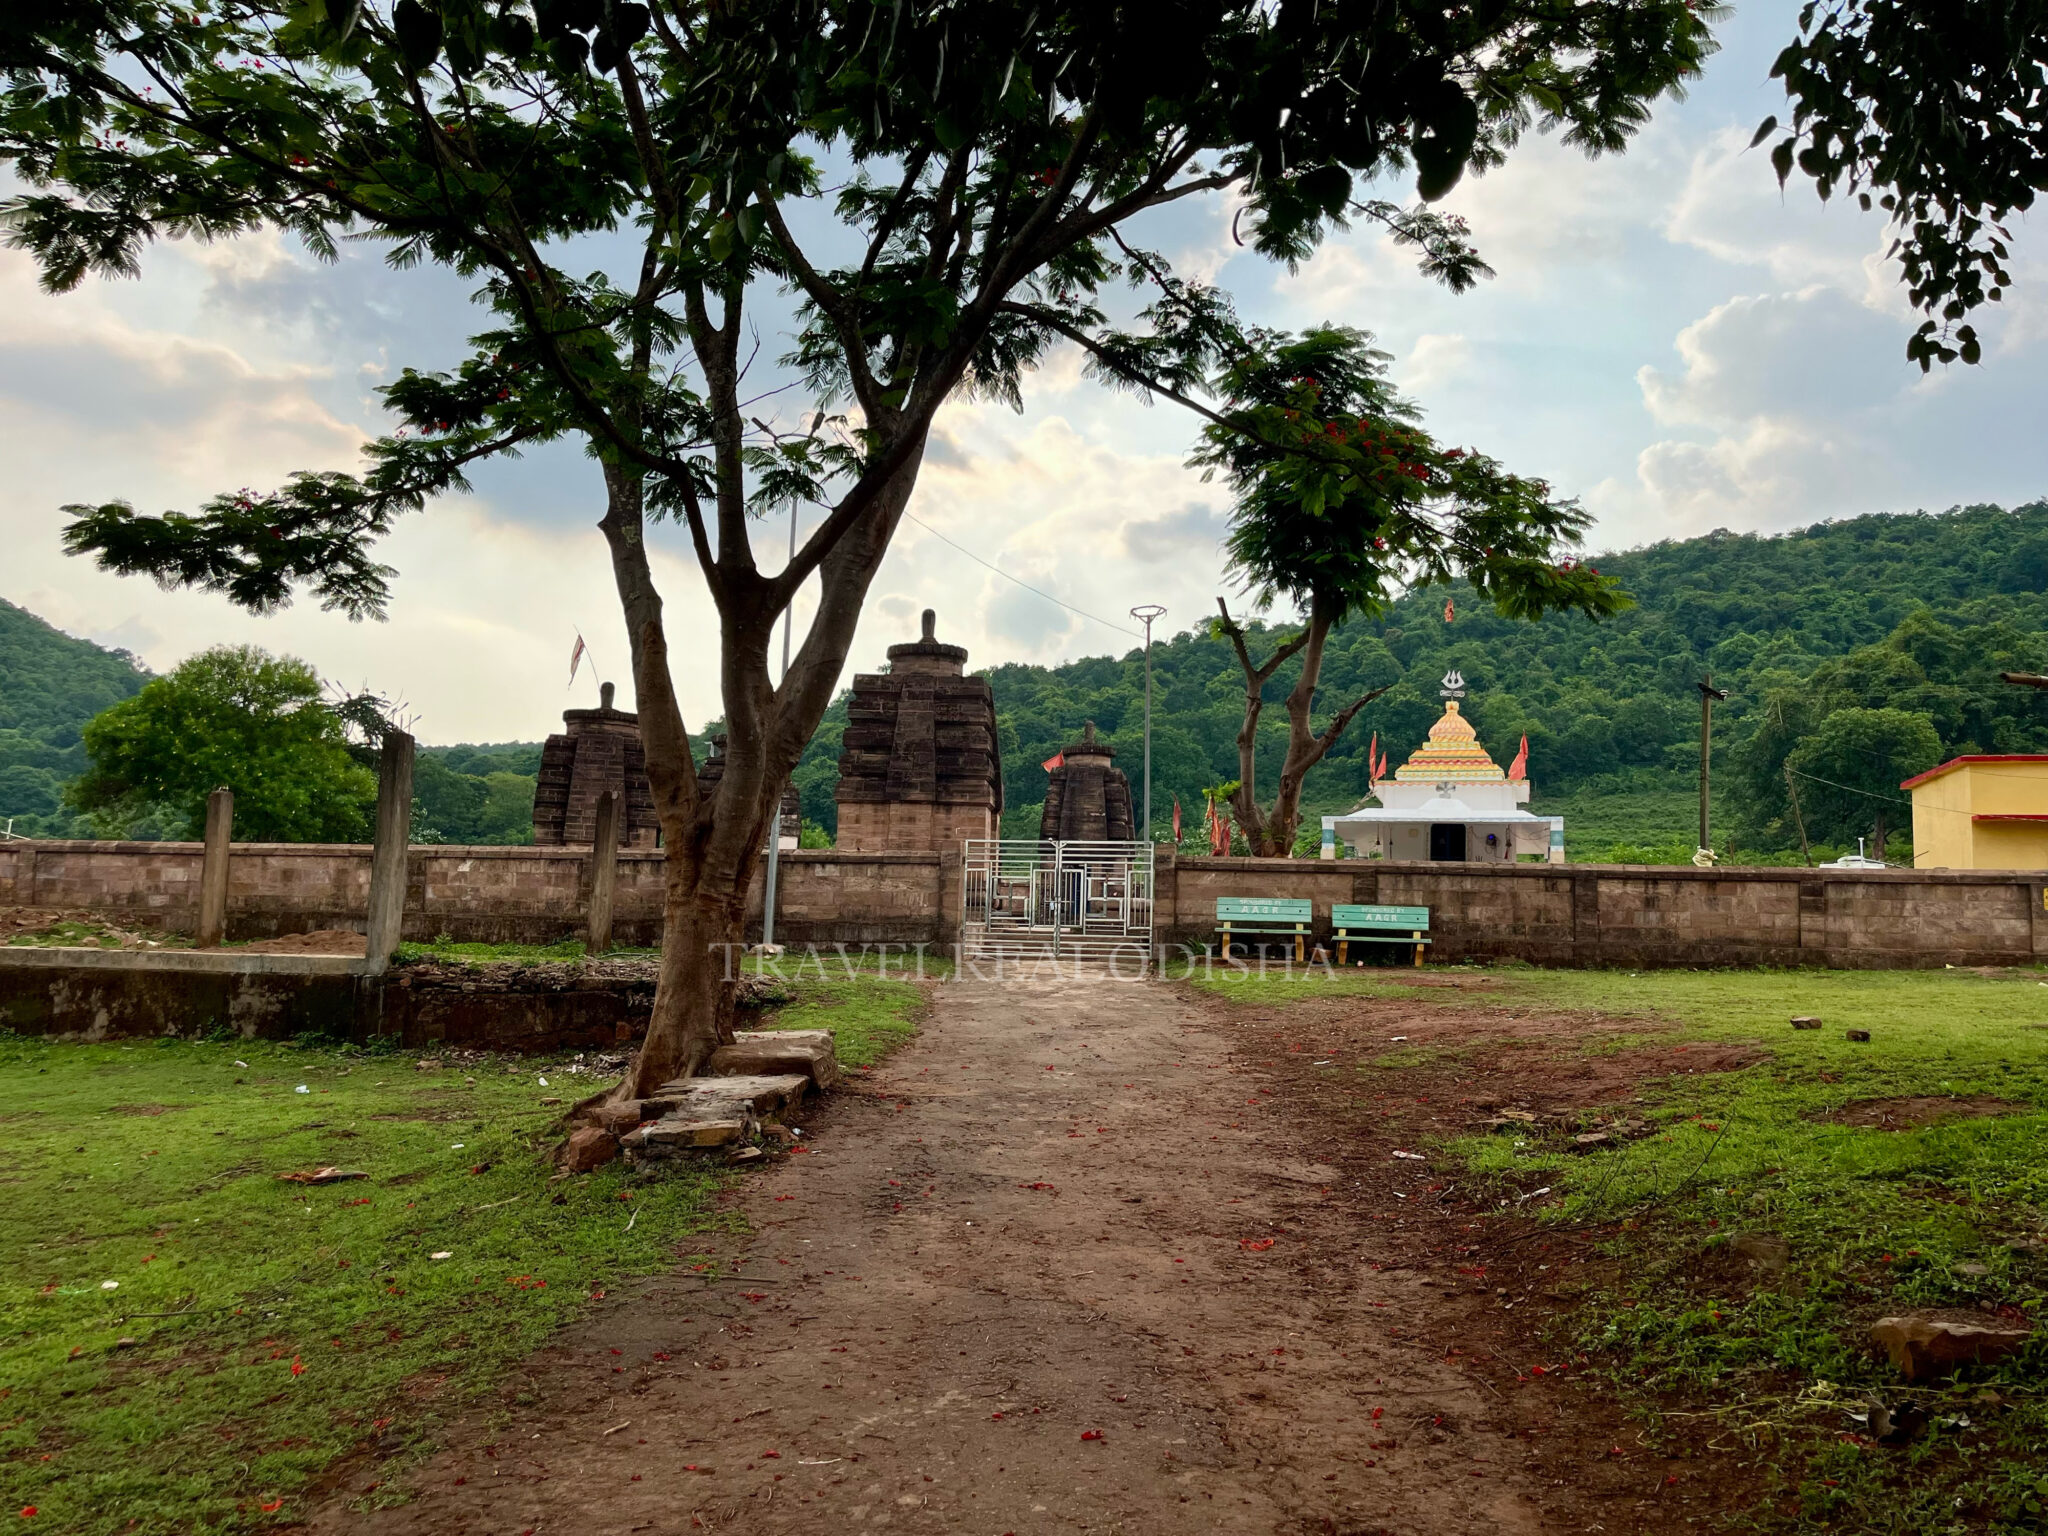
(1452, 754)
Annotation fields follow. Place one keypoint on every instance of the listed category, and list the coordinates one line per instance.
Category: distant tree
(1849, 770)
(1937, 113)
(938, 194)
(234, 716)
(1341, 502)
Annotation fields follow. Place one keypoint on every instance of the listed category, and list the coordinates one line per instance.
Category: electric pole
(1708, 693)
(1145, 614)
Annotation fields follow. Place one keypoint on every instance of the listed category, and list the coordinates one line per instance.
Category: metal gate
(1026, 899)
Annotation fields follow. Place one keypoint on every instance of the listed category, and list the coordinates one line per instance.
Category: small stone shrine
(1087, 798)
(600, 750)
(712, 770)
(919, 768)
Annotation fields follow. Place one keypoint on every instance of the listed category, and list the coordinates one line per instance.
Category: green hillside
(1879, 617)
(1610, 709)
(50, 685)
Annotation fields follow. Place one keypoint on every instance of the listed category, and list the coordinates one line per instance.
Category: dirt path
(1012, 1287)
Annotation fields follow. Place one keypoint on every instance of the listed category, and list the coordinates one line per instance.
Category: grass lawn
(188, 1343)
(1945, 1216)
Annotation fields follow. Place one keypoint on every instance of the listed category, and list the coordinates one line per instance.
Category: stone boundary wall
(1573, 914)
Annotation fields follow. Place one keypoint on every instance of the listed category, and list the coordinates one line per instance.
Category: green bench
(1379, 925)
(1264, 917)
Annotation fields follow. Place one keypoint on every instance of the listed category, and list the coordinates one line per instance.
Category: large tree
(236, 716)
(966, 177)
(1342, 502)
(1937, 113)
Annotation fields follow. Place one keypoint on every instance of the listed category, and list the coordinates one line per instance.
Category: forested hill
(1611, 706)
(50, 685)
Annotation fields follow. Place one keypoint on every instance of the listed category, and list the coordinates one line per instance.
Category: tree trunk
(1270, 831)
(714, 846)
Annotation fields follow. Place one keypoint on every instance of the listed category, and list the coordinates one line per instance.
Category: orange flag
(1518, 770)
(1372, 758)
(1176, 821)
(1057, 760)
(1450, 611)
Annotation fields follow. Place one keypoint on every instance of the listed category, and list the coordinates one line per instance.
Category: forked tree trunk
(1269, 830)
(714, 845)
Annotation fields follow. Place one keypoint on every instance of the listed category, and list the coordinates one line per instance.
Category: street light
(1145, 613)
(775, 820)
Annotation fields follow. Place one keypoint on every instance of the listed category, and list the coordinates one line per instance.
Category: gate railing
(1063, 899)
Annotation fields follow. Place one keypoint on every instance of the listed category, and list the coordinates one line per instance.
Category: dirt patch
(1082, 1256)
(1910, 1113)
(321, 941)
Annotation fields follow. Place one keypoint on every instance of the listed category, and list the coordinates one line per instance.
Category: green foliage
(1793, 625)
(50, 685)
(1341, 500)
(1853, 763)
(1936, 114)
(485, 804)
(234, 716)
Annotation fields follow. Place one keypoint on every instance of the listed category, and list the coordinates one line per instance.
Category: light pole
(1145, 613)
(775, 818)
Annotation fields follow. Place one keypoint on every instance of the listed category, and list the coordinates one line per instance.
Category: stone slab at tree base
(779, 1052)
(704, 1114)
(1925, 1348)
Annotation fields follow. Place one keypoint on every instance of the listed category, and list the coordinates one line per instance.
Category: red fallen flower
(1091, 1434)
(1256, 1245)
(274, 1505)
(298, 1369)
(771, 1455)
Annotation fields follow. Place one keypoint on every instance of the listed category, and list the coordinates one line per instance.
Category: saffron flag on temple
(576, 658)
(1372, 758)
(1518, 770)
(1176, 821)
(1057, 760)
(1450, 612)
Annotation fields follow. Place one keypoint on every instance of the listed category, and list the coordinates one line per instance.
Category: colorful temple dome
(1452, 755)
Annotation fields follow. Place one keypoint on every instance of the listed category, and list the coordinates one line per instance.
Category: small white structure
(1450, 801)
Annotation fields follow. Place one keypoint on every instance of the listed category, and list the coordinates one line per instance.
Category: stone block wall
(1550, 914)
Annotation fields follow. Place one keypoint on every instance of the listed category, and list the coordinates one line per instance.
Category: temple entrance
(1033, 899)
(1447, 840)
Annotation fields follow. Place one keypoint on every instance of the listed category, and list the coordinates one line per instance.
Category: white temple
(1450, 801)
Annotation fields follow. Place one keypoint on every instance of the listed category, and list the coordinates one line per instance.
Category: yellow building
(1988, 812)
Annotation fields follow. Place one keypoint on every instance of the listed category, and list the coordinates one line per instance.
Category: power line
(970, 554)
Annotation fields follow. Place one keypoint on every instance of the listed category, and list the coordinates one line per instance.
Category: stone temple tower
(599, 751)
(1087, 799)
(919, 768)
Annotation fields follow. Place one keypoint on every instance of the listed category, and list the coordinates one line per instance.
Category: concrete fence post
(394, 837)
(213, 869)
(604, 872)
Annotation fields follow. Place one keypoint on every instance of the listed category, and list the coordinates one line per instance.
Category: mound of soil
(1911, 1112)
(321, 941)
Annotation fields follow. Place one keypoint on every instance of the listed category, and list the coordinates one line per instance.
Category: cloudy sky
(1668, 338)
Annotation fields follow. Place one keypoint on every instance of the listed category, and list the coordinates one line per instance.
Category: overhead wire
(970, 554)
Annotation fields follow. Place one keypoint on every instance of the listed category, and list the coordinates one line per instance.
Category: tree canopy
(966, 180)
(1939, 115)
(238, 717)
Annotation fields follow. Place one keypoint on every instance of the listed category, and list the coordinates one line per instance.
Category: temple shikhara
(1450, 801)
(599, 750)
(1087, 798)
(919, 768)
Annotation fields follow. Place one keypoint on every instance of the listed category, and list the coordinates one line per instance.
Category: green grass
(1877, 1221)
(869, 1017)
(155, 1166)
(448, 952)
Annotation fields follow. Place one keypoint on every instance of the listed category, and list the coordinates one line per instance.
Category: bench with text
(1379, 925)
(1264, 917)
